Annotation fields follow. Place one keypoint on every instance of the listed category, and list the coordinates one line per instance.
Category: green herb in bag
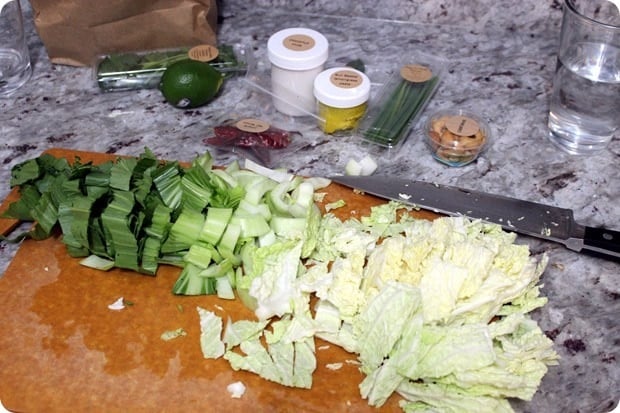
(403, 99)
(130, 71)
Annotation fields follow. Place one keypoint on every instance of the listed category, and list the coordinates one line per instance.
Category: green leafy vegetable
(130, 71)
(139, 213)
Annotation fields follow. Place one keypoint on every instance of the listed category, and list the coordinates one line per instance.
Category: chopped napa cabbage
(285, 361)
(242, 330)
(273, 283)
(430, 397)
(440, 286)
(172, 334)
(335, 205)
(316, 279)
(444, 350)
(254, 359)
(211, 343)
(522, 353)
(463, 326)
(311, 229)
(345, 292)
(435, 311)
(379, 326)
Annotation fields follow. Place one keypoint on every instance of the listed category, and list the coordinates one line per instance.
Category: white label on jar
(416, 73)
(346, 79)
(462, 125)
(298, 42)
(203, 53)
(252, 125)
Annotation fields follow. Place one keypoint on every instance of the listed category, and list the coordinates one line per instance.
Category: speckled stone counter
(499, 62)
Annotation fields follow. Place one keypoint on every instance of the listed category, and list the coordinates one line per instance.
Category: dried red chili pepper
(226, 135)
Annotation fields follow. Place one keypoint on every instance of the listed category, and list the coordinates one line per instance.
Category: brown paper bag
(75, 32)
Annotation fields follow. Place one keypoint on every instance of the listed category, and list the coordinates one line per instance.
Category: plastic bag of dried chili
(251, 137)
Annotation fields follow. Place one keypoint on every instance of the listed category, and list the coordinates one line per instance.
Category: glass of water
(584, 112)
(15, 68)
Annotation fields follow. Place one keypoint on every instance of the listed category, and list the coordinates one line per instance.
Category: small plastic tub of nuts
(456, 137)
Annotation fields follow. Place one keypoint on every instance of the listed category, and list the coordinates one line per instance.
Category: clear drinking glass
(584, 111)
(15, 68)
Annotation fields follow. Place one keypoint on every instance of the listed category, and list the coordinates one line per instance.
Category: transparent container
(456, 137)
(297, 56)
(401, 100)
(143, 70)
(342, 98)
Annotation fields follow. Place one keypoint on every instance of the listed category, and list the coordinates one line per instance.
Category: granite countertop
(499, 59)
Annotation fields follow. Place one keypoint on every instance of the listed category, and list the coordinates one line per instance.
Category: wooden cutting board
(63, 349)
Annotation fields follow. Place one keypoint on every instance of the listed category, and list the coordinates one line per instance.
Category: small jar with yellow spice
(342, 97)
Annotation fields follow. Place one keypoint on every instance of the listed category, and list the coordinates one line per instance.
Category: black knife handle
(603, 241)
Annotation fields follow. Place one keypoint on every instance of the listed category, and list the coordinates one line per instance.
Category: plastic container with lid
(393, 113)
(342, 94)
(456, 137)
(297, 56)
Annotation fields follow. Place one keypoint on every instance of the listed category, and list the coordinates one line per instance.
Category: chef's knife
(524, 217)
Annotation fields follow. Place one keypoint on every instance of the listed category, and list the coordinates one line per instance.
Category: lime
(190, 83)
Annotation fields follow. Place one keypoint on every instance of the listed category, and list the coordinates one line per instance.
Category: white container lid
(297, 48)
(342, 87)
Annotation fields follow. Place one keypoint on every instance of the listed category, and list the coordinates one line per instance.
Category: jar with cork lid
(297, 56)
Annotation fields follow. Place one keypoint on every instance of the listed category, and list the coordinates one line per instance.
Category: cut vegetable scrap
(117, 305)
(98, 263)
(319, 196)
(335, 205)
(368, 164)
(236, 389)
(364, 167)
(172, 334)
(210, 334)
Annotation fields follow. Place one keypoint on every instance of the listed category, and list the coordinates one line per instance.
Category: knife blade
(515, 215)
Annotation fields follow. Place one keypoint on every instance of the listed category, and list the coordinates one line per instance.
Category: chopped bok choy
(138, 213)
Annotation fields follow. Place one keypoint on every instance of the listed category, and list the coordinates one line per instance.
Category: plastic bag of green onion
(400, 103)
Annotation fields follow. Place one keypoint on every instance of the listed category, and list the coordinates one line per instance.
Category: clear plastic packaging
(400, 101)
(252, 135)
(143, 70)
(456, 137)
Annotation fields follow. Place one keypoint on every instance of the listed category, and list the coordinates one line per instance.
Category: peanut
(452, 147)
